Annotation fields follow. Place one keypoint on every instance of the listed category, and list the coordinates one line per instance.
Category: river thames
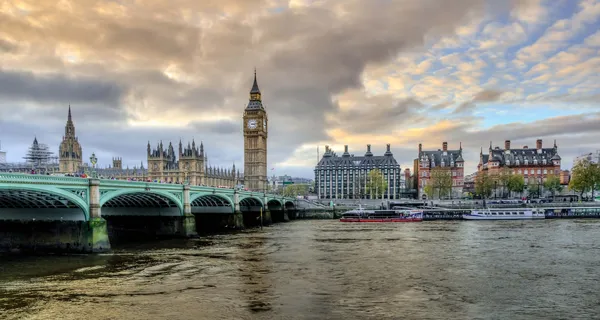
(324, 270)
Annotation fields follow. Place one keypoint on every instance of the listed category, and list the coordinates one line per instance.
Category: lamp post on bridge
(93, 161)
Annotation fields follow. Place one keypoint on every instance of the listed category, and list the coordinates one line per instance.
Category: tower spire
(255, 88)
(69, 116)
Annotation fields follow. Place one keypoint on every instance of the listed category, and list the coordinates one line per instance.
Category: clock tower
(255, 141)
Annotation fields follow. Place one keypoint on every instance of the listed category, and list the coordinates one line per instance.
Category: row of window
(454, 173)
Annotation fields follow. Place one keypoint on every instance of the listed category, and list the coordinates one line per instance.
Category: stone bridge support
(188, 219)
(238, 217)
(96, 230)
(267, 219)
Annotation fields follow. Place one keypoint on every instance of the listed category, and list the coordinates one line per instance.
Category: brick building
(535, 164)
(451, 160)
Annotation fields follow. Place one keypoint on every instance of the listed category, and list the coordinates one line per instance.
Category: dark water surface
(325, 270)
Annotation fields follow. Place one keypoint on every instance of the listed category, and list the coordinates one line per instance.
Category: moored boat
(505, 214)
(362, 215)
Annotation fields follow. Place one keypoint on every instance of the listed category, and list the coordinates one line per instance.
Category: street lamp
(93, 161)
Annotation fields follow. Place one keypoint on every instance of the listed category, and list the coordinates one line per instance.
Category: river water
(324, 270)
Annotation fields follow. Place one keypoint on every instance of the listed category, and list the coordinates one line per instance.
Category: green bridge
(40, 212)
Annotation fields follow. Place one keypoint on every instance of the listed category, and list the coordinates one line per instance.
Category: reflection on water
(324, 270)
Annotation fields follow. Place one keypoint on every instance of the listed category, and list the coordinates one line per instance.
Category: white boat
(505, 214)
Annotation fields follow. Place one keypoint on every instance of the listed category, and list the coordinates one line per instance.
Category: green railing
(41, 179)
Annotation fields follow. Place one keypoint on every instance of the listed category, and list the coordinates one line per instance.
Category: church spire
(69, 127)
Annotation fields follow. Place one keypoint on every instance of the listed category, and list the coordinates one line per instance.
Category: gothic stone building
(190, 164)
(534, 164)
(451, 160)
(345, 177)
(255, 124)
(69, 152)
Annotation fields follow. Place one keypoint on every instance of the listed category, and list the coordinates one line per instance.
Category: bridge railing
(40, 179)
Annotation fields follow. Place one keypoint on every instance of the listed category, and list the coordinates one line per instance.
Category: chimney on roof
(420, 148)
(368, 148)
(388, 148)
(445, 146)
(525, 147)
(506, 144)
(346, 148)
(538, 144)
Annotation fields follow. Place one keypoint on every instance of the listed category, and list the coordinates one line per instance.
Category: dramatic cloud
(332, 72)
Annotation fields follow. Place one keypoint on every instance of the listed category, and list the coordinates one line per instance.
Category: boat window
(493, 213)
(514, 213)
(521, 213)
(502, 213)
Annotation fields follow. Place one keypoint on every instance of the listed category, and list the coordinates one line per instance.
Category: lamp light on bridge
(93, 161)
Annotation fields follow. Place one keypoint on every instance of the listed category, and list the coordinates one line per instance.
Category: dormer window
(535, 161)
(526, 161)
(544, 161)
(508, 162)
(517, 162)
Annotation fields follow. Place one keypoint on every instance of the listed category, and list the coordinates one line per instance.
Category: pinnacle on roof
(69, 116)
(255, 88)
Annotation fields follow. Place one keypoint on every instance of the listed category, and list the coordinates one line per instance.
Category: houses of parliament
(188, 163)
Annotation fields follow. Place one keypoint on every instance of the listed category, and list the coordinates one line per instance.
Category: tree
(376, 184)
(294, 190)
(585, 177)
(533, 187)
(428, 191)
(483, 184)
(502, 178)
(516, 183)
(441, 181)
(552, 184)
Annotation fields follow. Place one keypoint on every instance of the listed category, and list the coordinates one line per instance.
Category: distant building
(69, 152)
(2, 154)
(593, 157)
(279, 182)
(450, 160)
(469, 183)
(535, 164)
(39, 159)
(565, 177)
(345, 177)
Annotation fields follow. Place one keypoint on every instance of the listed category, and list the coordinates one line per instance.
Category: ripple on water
(324, 270)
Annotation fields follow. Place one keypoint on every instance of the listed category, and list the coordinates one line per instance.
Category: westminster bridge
(49, 213)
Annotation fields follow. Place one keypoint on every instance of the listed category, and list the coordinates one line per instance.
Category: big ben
(255, 141)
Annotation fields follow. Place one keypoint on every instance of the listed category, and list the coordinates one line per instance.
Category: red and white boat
(362, 215)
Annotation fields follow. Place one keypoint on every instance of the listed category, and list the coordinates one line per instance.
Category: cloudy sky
(332, 72)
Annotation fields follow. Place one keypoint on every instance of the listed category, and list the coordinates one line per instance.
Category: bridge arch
(209, 202)
(163, 203)
(251, 201)
(289, 205)
(57, 201)
(274, 204)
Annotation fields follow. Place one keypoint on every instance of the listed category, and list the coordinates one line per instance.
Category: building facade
(592, 157)
(255, 122)
(450, 160)
(535, 164)
(346, 177)
(189, 165)
(70, 156)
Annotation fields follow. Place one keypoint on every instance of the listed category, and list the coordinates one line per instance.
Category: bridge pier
(238, 216)
(189, 220)
(97, 227)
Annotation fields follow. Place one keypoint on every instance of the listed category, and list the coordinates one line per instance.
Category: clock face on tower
(252, 124)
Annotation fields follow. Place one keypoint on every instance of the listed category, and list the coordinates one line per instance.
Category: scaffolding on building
(39, 159)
